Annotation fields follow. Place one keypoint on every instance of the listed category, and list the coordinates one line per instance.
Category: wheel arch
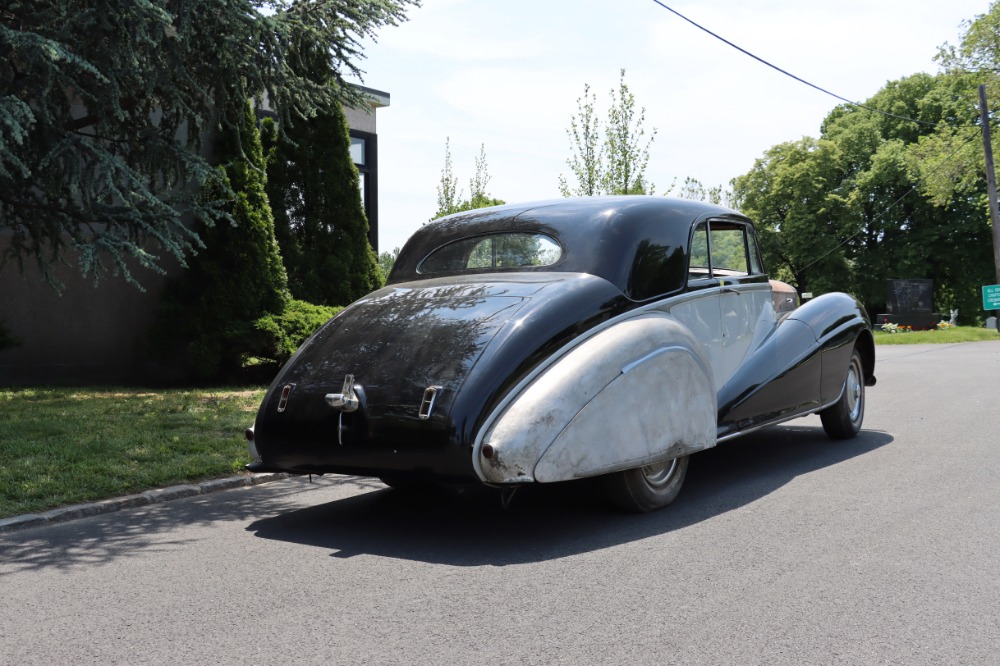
(865, 344)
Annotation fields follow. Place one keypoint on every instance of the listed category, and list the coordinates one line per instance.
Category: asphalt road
(783, 548)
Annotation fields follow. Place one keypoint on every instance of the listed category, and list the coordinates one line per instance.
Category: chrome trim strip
(651, 355)
(778, 421)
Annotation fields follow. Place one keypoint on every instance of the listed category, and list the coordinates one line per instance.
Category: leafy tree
(975, 61)
(626, 150)
(448, 193)
(852, 209)
(478, 196)
(616, 165)
(586, 161)
(792, 195)
(902, 228)
(320, 221)
(209, 314)
(103, 107)
(386, 260)
(694, 189)
(450, 197)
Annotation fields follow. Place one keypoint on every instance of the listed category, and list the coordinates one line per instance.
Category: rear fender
(636, 393)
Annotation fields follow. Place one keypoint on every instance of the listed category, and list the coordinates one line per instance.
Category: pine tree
(316, 188)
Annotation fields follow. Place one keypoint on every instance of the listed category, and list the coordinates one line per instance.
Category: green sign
(991, 297)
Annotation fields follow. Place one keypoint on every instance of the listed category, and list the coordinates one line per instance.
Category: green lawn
(948, 335)
(65, 446)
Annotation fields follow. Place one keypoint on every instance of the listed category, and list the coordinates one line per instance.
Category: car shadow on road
(101, 539)
(548, 522)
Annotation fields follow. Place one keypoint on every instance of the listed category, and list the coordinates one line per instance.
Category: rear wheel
(842, 420)
(647, 488)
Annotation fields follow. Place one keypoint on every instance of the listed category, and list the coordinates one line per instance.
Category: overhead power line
(789, 74)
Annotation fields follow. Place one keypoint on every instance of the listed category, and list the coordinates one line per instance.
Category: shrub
(282, 334)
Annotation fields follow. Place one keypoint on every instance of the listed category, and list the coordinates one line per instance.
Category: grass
(947, 336)
(66, 446)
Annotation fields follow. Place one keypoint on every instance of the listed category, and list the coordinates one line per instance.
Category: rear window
(493, 252)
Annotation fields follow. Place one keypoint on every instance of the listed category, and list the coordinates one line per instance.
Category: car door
(699, 309)
(746, 310)
(728, 302)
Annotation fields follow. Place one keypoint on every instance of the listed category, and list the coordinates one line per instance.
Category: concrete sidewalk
(155, 496)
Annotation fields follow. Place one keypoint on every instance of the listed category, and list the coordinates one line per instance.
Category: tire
(647, 488)
(842, 420)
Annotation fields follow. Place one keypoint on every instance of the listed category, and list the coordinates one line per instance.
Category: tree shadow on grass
(551, 522)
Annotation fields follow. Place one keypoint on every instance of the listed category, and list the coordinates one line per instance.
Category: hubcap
(659, 474)
(854, 392)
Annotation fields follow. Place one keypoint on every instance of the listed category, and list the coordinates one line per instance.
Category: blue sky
(507, 74)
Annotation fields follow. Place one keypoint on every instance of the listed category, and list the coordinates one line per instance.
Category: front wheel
(647, 488)
(842, 420)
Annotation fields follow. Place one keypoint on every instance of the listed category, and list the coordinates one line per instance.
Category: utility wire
(888, 208)
(789, 74)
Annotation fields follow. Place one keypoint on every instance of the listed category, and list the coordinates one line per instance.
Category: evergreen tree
(320, 219)
(103, 106)
(210, 313)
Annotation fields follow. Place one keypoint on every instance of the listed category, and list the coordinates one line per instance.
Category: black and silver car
(551, 341)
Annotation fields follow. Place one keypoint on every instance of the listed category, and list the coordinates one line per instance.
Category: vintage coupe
(544, 342)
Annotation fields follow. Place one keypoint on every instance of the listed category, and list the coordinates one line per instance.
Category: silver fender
(636, 393)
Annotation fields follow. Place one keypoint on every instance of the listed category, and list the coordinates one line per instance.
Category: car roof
(638, 243)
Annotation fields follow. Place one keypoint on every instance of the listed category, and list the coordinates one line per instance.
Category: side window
(755, 266)
(698, 261)
(729, 250)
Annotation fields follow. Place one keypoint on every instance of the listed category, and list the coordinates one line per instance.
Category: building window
(364, 153)
(358, 151)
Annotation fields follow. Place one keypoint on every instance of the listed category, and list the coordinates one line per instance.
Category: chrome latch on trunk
(347, 399)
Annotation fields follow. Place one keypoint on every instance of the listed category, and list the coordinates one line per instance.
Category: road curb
(155, 496)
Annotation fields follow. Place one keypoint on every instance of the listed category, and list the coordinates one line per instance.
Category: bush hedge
(281, 334)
